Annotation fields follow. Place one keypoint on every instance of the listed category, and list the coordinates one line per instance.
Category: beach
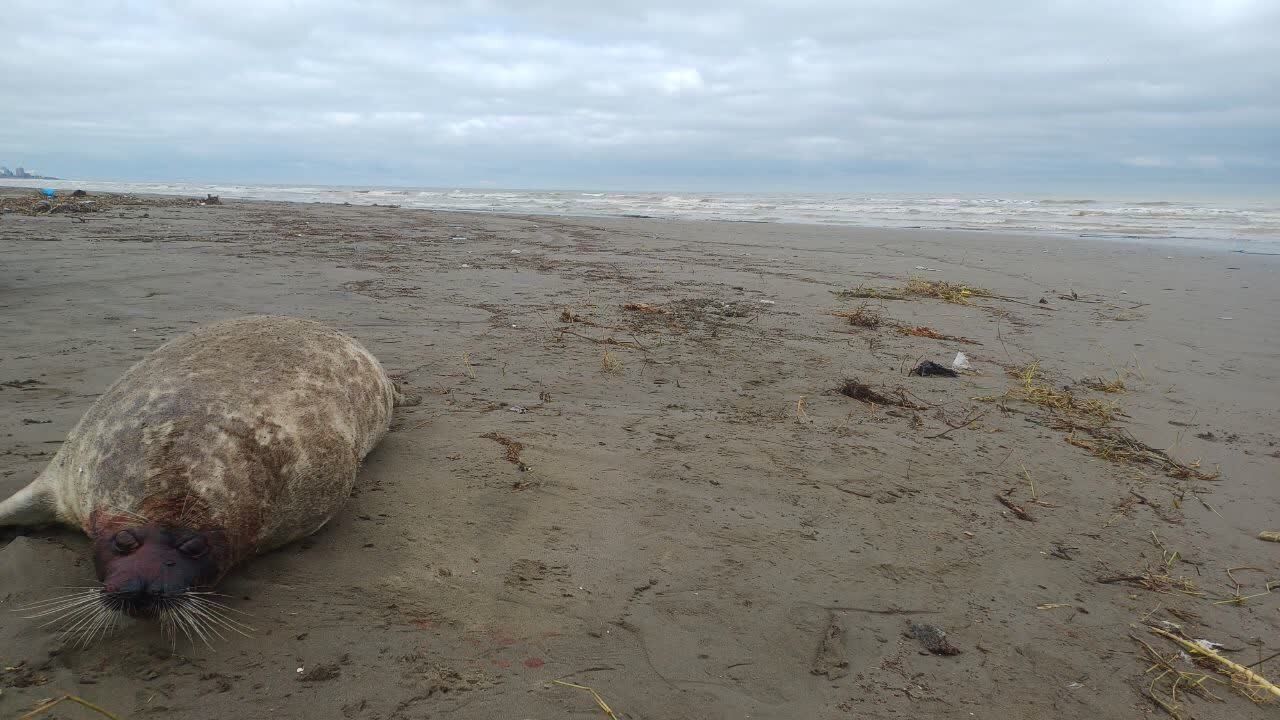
(634, 470)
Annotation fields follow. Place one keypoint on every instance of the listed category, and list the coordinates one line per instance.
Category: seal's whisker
(88, 632)
(228, 622)
(195, 624)
(200, 621)
(232, 625)
(73, 635)
(72, 614)
(50, 604)
(222, 606)
(70, 621)
(99, 625)
(54, 600)
(115, 623)
(183, 621)
(215, 618)
(168, 621)
(198, 606)
(242, 630)
(53, 605)
(207, 593)
(180, 623)
(83, 618)
(82, 623)
(67, 611)
(60, 609)
(220, 611)
(167, 627)
(105, 626)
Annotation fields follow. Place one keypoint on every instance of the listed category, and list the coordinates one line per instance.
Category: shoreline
(1259, 245)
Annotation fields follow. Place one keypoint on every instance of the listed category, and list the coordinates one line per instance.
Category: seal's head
(148, 569)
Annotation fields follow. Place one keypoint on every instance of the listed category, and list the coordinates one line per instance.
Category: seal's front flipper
(32, 505)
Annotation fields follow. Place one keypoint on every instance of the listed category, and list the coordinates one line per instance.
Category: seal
(222, 444)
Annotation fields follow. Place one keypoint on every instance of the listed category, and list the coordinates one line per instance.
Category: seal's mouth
(142, 605)
(201, 616)
(93, 613)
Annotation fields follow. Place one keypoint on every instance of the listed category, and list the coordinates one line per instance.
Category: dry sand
(696, 527)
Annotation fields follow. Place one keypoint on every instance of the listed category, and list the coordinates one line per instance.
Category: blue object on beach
(48, 192)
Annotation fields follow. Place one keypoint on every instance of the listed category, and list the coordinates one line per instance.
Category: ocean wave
(1218, 224)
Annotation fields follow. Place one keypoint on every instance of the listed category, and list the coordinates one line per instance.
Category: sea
(1239, 226)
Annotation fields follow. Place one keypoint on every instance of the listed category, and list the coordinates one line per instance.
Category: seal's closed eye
(124, 542)
(194, 546)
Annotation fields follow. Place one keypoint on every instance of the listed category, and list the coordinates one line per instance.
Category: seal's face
(147, 569)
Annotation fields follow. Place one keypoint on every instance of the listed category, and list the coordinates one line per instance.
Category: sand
(692, 523)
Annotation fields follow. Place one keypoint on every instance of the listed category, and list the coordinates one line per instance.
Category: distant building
(21, 172)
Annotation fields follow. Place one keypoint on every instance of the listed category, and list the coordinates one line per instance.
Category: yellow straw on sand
(48, 705)
(599, 700)
(1235, 669)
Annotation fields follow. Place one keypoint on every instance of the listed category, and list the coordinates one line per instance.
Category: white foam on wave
(1252, 225)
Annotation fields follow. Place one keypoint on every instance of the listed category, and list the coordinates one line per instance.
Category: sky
(1006, 96)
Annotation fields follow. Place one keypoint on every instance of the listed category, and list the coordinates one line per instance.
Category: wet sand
(697, 526)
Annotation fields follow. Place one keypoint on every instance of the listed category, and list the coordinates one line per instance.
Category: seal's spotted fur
(250, 430)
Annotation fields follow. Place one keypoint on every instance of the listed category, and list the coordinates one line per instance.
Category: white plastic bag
(961, 362)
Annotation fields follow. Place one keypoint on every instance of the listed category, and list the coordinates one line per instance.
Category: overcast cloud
(984, 95)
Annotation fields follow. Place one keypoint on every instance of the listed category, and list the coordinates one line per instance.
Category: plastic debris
(961, 362)
(1209, 644)
(929, 368)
